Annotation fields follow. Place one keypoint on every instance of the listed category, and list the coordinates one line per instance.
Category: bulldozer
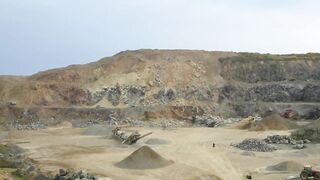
(308, 173)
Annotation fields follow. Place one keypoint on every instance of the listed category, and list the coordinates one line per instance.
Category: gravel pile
(279, 139)
(254, 145)
(73, 175)
(283, 139)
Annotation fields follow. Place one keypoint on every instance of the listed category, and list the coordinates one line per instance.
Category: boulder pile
(279, 139)
(207, 121)
(283, 139)
(64, 174)
(252, 144)
(12, 156)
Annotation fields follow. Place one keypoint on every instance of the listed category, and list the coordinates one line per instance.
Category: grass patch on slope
(10, 172)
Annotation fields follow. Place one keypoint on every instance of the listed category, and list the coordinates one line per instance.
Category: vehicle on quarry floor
(126, 137)
(309, 173)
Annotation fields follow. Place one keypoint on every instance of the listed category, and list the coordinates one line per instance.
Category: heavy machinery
(126, 137)
(308, 173)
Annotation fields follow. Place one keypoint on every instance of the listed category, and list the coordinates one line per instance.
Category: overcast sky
(42, 34)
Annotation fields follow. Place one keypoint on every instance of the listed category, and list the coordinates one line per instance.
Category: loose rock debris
(252, 144)
(73, 175)
(283, 139)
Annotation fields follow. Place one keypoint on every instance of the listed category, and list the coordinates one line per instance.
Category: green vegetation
(4, 149)
(11, 172)
(273, 57)
(8, 168)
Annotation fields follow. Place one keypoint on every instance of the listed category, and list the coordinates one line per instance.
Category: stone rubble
(20, 126)
(127, 94)
(134, 95)
(252, 144)
(212, 121)
(299, 146)
(283, 139)
(162, 123)
(74, 175)
(279, 139)
(201, 121)
(13, 157)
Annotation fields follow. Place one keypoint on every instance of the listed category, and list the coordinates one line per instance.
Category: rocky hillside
(225, 83)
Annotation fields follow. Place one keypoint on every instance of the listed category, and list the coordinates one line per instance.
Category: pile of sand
(273, 122)
(286, 166)
(144, 158)
(245, 123)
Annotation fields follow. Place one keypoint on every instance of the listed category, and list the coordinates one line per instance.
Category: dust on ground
(190, 149)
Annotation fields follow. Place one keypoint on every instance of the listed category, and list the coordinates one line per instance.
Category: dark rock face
(275, 93)
(114, 95)
(311, 93)
(135, 94)
(254, 71)
(165, 95)
(198, 93)
(313, 113)
(237, 84)
(272, 92)
(230, 93)
(132, 95)
(259, 83)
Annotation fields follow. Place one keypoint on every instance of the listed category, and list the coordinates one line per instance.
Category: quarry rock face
(220, 83)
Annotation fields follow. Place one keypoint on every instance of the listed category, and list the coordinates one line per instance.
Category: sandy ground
(190, 149)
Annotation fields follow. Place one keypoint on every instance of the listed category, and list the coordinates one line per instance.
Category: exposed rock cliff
(224, 83)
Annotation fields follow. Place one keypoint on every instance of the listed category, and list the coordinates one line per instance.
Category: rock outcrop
(220, 83)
